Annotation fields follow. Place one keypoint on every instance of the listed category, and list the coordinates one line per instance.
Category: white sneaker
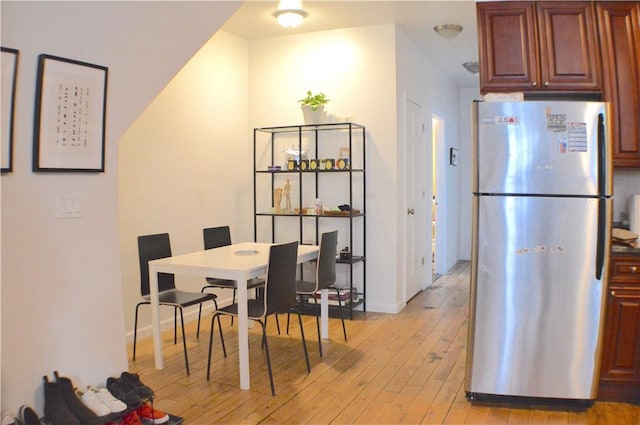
(92, 401)
(107, 398)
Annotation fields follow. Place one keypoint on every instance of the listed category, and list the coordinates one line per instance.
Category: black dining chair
(279, 297)
(216, 237)
(154, 247)
(325, 279)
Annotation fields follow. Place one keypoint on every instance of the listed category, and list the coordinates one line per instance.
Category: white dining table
(239, 262)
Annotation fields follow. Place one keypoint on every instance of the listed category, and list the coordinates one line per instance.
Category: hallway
(395, 369)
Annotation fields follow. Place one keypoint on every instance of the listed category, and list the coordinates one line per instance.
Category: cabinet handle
(411, 211)
(534, 84)
(613, 293)
(546, 84)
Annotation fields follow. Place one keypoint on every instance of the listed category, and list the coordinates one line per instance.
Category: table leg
(155, 317)
(243, 333)
(324, 313)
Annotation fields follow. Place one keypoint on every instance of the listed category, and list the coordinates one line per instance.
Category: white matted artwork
(69, 130)
(9, 62)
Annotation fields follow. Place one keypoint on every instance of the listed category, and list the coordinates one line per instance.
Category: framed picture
(453, 156)
(9, 62)
(69, 127)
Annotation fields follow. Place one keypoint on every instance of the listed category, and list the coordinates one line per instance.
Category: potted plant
(313, 107)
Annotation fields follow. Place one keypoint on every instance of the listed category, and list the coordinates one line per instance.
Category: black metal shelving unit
(317, 139)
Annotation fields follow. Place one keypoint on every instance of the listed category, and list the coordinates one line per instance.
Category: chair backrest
(280, 286)
(326, 270)
(153, 247)
(215, 237)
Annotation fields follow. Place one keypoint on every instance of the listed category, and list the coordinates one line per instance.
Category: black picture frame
(9, 61)
(453, 156)
(70, 115)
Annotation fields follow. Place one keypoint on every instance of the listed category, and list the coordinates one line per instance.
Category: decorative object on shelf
(72, 140)
(314, 164)
(277, 199)
(313, 107)
(342, 163)
(448, 31)
(304, 164)
(318, 207)
(9, 64)
(329, 164)
(290, 13)
(287, 196)
(274, 168)
(345, 254)
(296, 155)
(453, 156)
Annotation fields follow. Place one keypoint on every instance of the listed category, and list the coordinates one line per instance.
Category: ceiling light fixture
(290, 13)
(472, 67)
(448, 31)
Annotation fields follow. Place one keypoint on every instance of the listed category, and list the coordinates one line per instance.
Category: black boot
(55, 408)
(85, 415)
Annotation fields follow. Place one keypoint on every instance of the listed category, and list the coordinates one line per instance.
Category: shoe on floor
(133, 381)
(107, 398)
(149, 414)
(123, 392)
(85, 415)
(56, 410)
(131, 419)
(28, 416)
(92, 401)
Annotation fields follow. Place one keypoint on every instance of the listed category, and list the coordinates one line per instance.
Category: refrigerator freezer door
(536, 304)
(539, 148)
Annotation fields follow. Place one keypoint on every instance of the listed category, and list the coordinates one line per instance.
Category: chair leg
(224, 349)
(266, 346)
(184, 341)
(304, 342)
(213, 318)
(344, 329)
(315, 300)
(175, 325)
(135, 332)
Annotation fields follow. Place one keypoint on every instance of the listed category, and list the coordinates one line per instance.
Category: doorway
(417, 275)
(438, 200)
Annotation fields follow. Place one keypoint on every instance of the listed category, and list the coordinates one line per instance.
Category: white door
(418, 271)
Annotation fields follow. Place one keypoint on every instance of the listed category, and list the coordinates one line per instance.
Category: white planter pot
(311, 116)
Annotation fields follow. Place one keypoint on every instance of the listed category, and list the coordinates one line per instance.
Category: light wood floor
(395, 369)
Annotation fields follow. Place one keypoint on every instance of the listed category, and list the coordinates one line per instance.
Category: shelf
(311, 127)
(344, 148)
(270, 214)
(332, 171)
(353, 260)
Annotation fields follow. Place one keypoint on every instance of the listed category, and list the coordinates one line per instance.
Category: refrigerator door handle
(602, 228)
(602, 154)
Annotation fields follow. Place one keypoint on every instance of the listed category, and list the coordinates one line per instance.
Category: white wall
(62, 306)
(185, 164)
(356, 69)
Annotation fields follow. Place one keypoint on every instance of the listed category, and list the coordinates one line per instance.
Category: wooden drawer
(625, 269)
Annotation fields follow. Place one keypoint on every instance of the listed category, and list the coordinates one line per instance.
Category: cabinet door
(621, 357)
(569, 52)
(619, 26)
(508, 46)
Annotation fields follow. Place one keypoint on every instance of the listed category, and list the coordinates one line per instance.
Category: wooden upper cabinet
(619, 29)
(538, 46)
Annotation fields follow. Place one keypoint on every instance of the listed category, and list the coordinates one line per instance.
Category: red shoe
(152, 415)
(131, 419)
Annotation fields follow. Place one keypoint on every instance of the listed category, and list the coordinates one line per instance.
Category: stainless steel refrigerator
(542, 201)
